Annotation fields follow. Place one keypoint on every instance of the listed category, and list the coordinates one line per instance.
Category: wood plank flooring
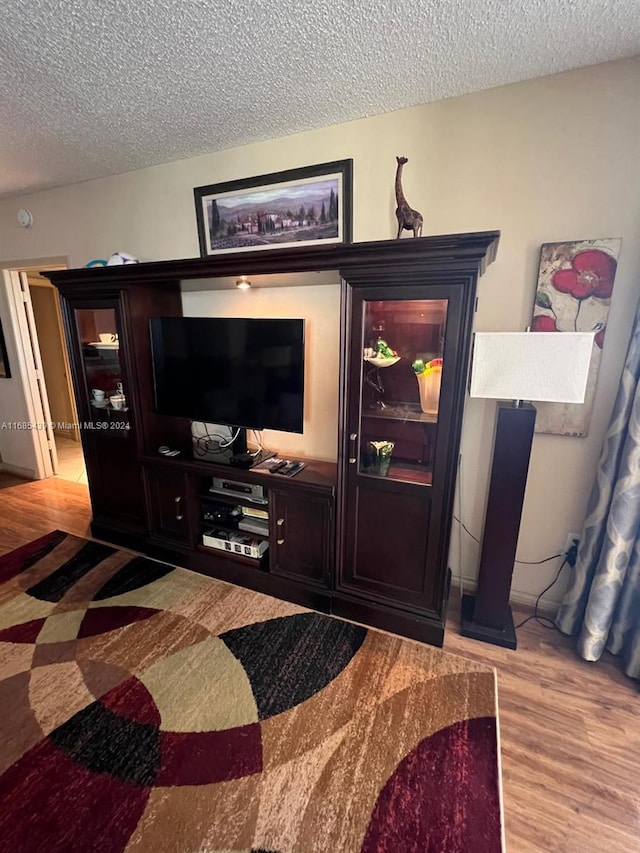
(570, 730)
(570, 741)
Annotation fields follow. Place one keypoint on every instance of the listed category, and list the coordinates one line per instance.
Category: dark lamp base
(505, 638)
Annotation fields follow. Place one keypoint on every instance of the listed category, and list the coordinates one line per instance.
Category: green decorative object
(378, 457)
(383, 350)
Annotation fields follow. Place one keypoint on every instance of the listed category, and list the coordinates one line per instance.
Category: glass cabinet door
(401, 368)
(106, 400)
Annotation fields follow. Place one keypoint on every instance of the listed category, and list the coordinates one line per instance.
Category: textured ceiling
(97, 87)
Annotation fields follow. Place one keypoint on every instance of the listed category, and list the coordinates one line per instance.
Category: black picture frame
(272, 211)
(5, 369)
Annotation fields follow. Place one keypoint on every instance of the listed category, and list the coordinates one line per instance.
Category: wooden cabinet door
(97, 341)
(115, 484)
(301, 537)
(387, 537)
(399, 448)
(169, 505)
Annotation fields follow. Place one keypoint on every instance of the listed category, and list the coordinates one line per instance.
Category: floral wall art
(575, 285)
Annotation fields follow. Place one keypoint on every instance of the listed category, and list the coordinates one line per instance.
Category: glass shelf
(98, 331)
(402, 412)
(406, 471)
(398, 418)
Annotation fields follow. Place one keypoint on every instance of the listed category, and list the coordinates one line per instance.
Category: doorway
(44, 373)
(45, 303)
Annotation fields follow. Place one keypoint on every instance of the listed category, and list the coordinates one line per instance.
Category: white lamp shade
(537, 366)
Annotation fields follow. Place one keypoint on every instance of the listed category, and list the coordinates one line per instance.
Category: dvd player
(251, 491)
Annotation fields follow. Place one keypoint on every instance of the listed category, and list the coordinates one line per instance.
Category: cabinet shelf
(401, 412)
(260, 563)
(232, 498)
(206, 525)
(407, 472)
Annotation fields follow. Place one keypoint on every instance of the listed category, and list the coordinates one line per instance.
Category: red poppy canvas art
(575, 286)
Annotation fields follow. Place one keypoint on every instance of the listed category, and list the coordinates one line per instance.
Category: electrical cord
(209, 443)
(539, 562)
(569, 556)
(466, 529)
(257, 434)
(459, 491)
(569, 560)
(521, 562)
(545, 621)
(231, 440)
(217, 443)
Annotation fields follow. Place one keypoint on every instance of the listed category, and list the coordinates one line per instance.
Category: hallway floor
(70, 460)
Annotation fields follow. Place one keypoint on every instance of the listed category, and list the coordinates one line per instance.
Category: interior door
(399, 405)
(34, 374)
(55, 361)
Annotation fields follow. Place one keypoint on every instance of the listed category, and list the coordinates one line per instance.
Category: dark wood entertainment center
(366, 537)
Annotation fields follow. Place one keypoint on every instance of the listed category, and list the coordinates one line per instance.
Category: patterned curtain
(602, 603)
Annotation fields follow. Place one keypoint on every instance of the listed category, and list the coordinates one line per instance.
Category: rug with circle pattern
(144, 707)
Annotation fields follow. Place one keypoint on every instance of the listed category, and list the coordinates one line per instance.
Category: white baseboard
(18, 471)
(548, 605)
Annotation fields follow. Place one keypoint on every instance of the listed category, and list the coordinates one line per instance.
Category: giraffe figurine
(407, 217)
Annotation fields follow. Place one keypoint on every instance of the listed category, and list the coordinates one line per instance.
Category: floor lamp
(516, 366)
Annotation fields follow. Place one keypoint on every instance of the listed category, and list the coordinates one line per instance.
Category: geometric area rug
(145, 707)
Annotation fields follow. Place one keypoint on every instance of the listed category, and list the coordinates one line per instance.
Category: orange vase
(429, 385)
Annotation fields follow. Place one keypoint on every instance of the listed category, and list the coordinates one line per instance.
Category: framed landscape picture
(5, 371)
(298, 207)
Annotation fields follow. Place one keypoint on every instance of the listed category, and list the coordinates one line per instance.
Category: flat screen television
(235, 371)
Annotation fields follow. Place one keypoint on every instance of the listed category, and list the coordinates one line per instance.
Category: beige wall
(551, 159)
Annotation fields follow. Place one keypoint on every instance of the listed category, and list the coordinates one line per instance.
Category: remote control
(288, 467)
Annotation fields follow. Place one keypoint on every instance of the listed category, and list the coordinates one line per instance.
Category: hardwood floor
(30, 509)
(569, 729)
(570, 742)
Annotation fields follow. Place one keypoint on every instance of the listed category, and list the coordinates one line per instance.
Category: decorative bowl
(383, 362)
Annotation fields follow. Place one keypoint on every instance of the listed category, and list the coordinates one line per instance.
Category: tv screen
(236, 371)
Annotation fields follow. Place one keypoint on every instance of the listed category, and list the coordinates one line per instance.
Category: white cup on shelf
(117, 401)
(98, 395)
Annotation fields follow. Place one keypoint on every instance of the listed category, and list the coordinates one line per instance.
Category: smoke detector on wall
(25, 218)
